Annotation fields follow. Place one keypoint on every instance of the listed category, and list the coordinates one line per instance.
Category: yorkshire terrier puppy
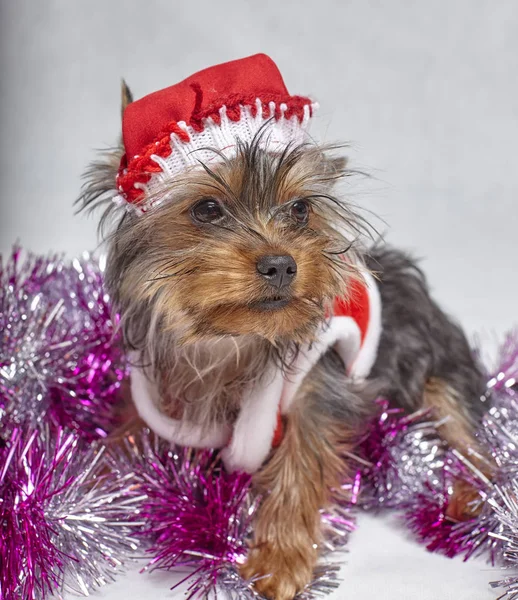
(231, 271)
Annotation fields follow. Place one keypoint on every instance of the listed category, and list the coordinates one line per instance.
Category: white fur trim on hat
(222, 137)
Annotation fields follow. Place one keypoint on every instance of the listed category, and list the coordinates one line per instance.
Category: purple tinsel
(71, 512)
(64, 515)
(505, 507)
(58, 356)
(196, 515)
(409, 469)
(31, 565)
(402, 456)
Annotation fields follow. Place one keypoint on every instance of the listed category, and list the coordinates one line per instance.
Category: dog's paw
(279, 573)
(465, 503)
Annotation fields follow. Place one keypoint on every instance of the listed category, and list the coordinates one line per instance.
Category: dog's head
(256, 244)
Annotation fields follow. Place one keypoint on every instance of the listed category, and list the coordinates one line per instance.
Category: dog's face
(252, 245)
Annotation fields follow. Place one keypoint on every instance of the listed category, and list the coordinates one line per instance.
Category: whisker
(218, 179)
(177, 274)
(340, 252)
(161, 277)
(344, 212)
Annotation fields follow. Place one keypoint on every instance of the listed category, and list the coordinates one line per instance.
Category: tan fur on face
(203, 278)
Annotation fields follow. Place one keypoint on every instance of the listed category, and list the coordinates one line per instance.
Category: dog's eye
(300, 211)
(207, 211)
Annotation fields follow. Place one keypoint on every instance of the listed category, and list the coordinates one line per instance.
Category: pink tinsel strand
(58, 356)
(427, 517)
(400, 455)
(66, 514)
(196, 515)
(424, 494)
(31, 564)
(429, 522)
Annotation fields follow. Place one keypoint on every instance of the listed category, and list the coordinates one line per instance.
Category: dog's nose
(278, 271)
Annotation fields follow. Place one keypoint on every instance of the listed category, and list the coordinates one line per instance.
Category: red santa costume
(167, 133)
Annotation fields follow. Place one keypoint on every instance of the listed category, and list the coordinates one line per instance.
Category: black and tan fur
(186, 293)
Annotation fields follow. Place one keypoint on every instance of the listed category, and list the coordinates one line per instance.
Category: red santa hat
(172, 130)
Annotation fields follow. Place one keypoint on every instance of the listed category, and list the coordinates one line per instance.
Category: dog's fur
(186, 293)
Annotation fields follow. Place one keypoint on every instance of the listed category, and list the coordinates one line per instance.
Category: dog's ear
(126, 96)
(337, 165)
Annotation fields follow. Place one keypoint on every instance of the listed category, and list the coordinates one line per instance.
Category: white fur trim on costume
(223, 136)
(364, 362)
(341, 332)
(255, 426)
(251, 439)
(145, 397)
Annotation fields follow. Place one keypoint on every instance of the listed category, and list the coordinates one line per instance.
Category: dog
(229, 271)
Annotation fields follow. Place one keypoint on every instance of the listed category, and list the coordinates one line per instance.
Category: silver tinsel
(505, 506)
(401, 457)
(68, 515)
(58, 357)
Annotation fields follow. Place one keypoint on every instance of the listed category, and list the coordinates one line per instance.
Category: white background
(426, 92)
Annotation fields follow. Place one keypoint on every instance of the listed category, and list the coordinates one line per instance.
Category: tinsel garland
(505, 507)
(64, 507)
(66, 517)
(72, 511)
(410, 469)
(59, 360)
(403, 457)
(197, 516)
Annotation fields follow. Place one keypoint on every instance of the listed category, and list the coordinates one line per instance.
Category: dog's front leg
(295, 484)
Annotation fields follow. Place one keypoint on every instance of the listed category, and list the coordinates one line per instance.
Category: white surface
(380, 565)
(426, 91)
